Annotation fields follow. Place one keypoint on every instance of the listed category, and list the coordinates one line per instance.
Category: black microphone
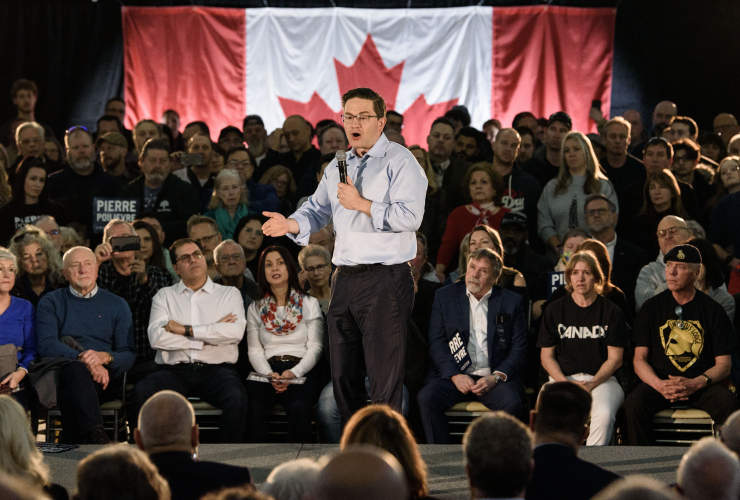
(341, 157)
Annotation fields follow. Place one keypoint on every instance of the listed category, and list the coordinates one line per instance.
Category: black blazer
(190, 480)
(560, 475)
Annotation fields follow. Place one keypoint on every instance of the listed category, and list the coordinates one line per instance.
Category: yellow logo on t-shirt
(682, 341)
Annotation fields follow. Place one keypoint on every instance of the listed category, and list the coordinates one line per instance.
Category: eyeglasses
(596, 211)
(188, 258)
(205, 239)
(362, 119)
(671, 231)
(26, 142)
(313, 269)
(225, 259)
(76, 127)
(237, 163)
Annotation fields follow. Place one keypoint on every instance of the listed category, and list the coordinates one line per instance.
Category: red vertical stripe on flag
(551, 58)
(189, 59)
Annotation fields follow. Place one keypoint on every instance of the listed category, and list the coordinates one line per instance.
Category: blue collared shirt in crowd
(391, 178)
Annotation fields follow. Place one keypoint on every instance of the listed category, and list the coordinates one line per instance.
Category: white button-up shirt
(478, 341)
(212, 342)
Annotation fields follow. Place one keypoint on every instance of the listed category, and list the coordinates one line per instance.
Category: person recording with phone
(123, 272)
(376, 214)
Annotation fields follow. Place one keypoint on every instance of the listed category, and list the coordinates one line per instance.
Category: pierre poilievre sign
(107, 209)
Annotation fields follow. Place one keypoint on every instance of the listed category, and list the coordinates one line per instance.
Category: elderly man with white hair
(709, 471)
(98, 325)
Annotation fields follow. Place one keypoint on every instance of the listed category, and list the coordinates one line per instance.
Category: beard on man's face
(80, 164)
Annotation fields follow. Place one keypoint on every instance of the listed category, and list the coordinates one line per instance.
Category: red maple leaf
(369, 70)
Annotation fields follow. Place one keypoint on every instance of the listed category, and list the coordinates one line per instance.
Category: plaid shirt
(139, 299)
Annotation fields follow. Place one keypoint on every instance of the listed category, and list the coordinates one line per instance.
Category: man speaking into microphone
(376, 214)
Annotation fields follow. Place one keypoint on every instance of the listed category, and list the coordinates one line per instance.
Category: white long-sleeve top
(304, 342)
(212, 342)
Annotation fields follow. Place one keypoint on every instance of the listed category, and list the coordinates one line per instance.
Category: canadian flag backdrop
(218, 65)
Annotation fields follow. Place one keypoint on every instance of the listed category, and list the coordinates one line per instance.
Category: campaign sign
(107, 209)
(555, 279)
(460, 352)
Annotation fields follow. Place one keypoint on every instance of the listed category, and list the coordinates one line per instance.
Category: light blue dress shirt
(391, 178)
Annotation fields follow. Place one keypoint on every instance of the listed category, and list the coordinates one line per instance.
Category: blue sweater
(18, 327)
(101, 323)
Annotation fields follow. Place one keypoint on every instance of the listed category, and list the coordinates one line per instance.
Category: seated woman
(379, 425)
(40, 265)
(262, 197)
(17, 329)
(284, 335)
(151, 248)
(19, 456)
(229, 202)
(249, 235)
(583, 336)
(315, 263)
(726, 181)
(485, 189)
(436, 206)
(281, 178)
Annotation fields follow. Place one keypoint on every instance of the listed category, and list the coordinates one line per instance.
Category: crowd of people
(544, 255)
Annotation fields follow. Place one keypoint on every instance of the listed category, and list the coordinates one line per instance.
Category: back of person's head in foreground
(497, 449)
(380, 426)
(13, 488)
(362, 472)
(19, 456)
(636, 488)
(119, 473)
(731, 432)
(246, 492)
(561, 414)
(293, 480)
(166, 423)
(709, 471)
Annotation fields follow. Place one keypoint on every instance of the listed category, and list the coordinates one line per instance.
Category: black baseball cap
(683, 253)
(516, 218)
(228, 130)
(562, 117)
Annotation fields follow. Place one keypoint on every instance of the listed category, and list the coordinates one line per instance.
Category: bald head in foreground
(362, 473)
(168, 433)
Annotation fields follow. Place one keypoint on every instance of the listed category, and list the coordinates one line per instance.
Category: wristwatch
(709, 379)
(498, 379)
(188, 331)
(110, 358)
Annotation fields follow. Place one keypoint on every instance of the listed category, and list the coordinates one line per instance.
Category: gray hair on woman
(313, 251)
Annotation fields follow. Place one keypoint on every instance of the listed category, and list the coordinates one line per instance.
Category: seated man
(99, 323)
(125, 275)
(195, 327)
(205, 233)
(478, 344)
(168, 433)
(228, 257)
(560, 424)
(684, 340)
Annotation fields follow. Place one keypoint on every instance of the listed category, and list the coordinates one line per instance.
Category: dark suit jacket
(190, 480)
(451, 313)
(457, 196)
(628, 260)
(560, 475)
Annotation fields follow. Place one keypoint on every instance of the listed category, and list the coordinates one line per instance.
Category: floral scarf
(293, 314)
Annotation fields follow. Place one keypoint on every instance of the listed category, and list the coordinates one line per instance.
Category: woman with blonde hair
(561, 205)
(436, 206)
(583, 336)
(19, 456)
(229, 202)
(380, 426)
(281, 178)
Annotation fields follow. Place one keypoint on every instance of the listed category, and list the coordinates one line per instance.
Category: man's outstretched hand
(279, 225)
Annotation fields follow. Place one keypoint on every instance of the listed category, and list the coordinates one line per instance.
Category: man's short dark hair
(150, 215)
(498, 455)
(252, 120)
(444, 121)
(23, 84)
(526, 131)
(171, 112)
(114, 99)
(394, 113)
(154, 144)
(692, 149)
(177, 244)
(562, 408)
(458, 115)
(469, 132)
(370, 95)
(520, 116)
(599, 196)
(686, 121)
(110, 118)
(201, 126)
(659, 141)
(326, 128)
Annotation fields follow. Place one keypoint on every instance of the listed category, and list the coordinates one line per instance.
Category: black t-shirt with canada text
(683, 348)
(581, 335)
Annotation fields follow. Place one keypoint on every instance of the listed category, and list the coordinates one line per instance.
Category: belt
(192, 363)
(361, 268)
(285, 357)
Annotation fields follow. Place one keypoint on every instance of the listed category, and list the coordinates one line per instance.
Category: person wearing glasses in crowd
(315, 262)
(48, 225)
(30, 199)
(282, 179)
(40, 265)
(261, 196)
(376, 215)
(204, 231)
(229, 202)
(195, 327)
(231, 267)
(30, 140)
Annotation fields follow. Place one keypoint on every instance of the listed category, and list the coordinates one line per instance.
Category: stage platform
(445, 463)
